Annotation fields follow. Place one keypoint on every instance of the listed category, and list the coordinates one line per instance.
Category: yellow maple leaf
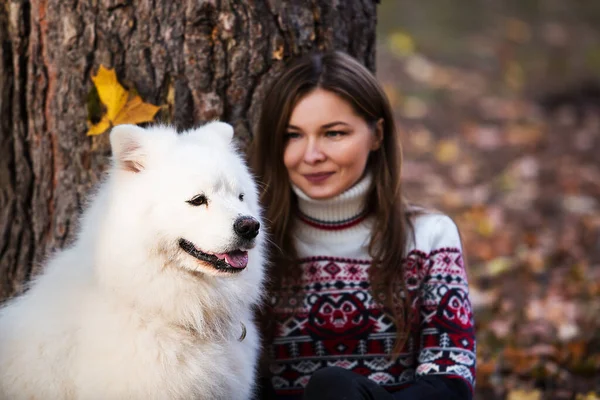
(136, 111)
(100, 127)
(121, 106)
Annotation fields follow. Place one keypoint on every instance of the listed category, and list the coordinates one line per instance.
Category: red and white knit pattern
(340, 324)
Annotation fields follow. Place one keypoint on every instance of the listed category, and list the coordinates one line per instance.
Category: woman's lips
(319, 177)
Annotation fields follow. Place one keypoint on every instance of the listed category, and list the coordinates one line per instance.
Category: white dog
(154, 299)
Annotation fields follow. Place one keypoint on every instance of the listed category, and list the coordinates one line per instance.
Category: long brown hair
(343, 75)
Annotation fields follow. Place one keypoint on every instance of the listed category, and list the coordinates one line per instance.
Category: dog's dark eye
(198, 200)
(241, 197)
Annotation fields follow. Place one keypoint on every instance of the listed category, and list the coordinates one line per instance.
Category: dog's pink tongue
(237, 258)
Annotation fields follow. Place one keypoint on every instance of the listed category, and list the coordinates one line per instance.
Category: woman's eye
(335, 133)
(198, 200)
(291, 135)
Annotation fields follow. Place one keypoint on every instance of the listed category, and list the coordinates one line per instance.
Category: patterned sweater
(340, 324)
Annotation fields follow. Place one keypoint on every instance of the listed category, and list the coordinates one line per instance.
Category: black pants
(335, 383)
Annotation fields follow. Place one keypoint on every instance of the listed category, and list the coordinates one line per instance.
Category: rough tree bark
(203, 59)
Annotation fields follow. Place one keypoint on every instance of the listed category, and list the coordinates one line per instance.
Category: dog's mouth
(233, 262)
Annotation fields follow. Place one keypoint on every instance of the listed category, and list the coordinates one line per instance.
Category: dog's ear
(221, 129)
(213, 132)
(126, 142)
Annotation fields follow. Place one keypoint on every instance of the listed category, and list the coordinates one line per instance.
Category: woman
(369, 295)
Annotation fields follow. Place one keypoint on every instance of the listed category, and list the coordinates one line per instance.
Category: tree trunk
(203, 59)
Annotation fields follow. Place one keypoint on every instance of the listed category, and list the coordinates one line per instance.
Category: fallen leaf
(579, 204)
(452, 199)
(136, 112)
(524, 135)
(499, 265)
(488, 138)
(111, 93)
(500, 327)
(588, 396)
(520, 394)
(414, 108)
(464, 173)
(421, 140)
(567, 331)
(420, 69)
(121, 106)
(100, 127)
(447, 151)
(401, 43)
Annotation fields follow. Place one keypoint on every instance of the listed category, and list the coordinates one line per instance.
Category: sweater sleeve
(446, 361)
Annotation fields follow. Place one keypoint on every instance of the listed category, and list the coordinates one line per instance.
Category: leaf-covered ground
(500, 119)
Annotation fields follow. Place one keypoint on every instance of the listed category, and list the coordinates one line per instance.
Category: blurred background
(499, 107)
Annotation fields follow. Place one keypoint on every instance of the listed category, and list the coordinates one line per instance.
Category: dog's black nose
(246, 227)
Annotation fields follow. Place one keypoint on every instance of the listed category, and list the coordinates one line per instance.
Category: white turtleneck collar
(336, 212)
(337, 227)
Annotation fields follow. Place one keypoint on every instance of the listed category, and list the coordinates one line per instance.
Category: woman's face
(327, 145)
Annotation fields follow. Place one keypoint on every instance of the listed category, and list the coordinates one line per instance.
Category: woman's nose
(313, 153)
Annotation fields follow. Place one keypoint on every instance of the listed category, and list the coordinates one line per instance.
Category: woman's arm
(446, 362)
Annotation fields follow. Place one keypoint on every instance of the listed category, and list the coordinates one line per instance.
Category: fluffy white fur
(125, 313)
